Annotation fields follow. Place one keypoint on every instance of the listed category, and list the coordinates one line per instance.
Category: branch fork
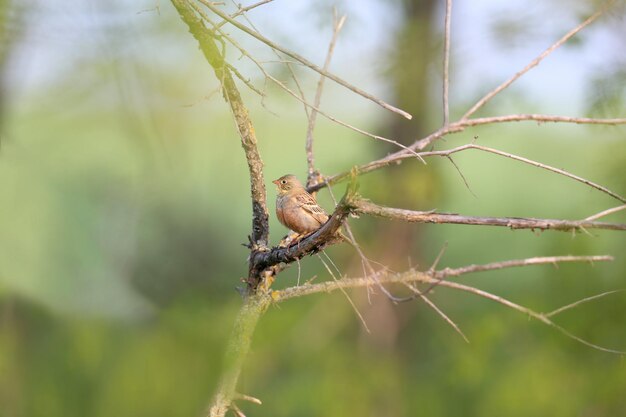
(264, 265)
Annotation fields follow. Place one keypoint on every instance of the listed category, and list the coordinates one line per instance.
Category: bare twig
(415, 276)
(249, 398)
(438, 311)
(236, 410)
(461, 174)
(457, 127)
(542, 260)
(352, 304)
(337, 25)
(447, 153)
(243, 79)
(367, 207)
(303, 60)
(246, 9)
(288, 64)
(534, 62)
(606, 212)
(462, 124)
(541, 118)
(579, 302)
(446, 62)
(303, 101)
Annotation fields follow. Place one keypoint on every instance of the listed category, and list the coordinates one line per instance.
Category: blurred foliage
(124, 199)
(607, 93)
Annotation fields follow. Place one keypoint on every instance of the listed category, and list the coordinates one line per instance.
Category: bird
(296, 209)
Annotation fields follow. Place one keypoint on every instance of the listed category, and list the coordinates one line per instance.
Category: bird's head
(287, 183)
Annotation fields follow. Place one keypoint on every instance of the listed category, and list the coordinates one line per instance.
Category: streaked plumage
(296, 209)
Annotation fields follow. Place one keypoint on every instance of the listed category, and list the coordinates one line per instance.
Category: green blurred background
(124, 200)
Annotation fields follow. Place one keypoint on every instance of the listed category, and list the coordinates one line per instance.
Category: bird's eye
(283, 182)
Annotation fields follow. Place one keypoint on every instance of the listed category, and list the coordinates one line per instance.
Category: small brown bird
(296, 209)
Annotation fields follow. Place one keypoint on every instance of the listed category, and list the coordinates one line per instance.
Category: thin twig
(606, 212)
(352, 304)
(243, 79)
(249, 398)
(446, 62)
(461, 174)
(541, 118)
(456, 127)
(246, 9)
(415, 276)
(288, 64)
(462, 124)
(534, 62)
(579, 302)
(303, 60)
(447, 153)
(438, 311)
(236, 410)
(366, 262)
(337, 25)
(542, 260)
(306, 103)
(367, 207)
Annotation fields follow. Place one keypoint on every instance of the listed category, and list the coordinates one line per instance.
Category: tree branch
(304, 101)
(437, 278)
(535, 61)
(456, 127)
(337, 26)
(237, 351)
(303, 60)
(243, 10)
(367, 207)
(260, 216)
(606, 212)
(266, 264)
(447, 153)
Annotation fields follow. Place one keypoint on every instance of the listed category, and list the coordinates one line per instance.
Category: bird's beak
(275, 182)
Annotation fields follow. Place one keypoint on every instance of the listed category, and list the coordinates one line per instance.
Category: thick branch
(237, 351)
(260, 225)
(269, 262)
(367, 207)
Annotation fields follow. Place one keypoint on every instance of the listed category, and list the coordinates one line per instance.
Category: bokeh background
(124, 200)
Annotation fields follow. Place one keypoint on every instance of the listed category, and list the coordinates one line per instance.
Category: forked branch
(457, 127)
(303, 60)
(535, 61)
(438, 278)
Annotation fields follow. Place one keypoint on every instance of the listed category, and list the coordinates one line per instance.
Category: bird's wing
(308, 203)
